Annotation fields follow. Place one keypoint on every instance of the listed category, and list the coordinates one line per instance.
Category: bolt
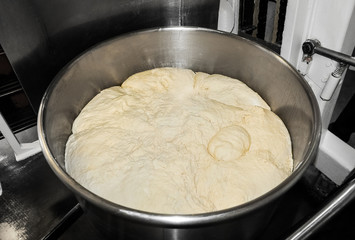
(307, 48)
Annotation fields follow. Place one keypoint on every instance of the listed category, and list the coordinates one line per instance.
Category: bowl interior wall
(111, 62)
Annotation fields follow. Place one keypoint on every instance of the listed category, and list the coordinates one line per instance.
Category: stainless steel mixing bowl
(111, 62)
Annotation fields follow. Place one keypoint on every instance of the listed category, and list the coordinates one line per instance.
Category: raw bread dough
(173, 141)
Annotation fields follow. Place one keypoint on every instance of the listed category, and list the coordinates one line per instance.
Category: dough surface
(177, 142)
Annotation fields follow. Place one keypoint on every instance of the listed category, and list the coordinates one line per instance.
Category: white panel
(297, 22)
(330, 148)
(333, 24)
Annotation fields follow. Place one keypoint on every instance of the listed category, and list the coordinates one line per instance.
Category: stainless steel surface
(40, 37)
(111, 62)
(340, 200)
(72, 215)
(312, 46)
(33, 199)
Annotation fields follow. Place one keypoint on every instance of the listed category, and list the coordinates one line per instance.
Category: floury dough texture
(173, 141)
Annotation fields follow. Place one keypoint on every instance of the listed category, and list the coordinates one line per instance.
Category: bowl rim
(179, 220)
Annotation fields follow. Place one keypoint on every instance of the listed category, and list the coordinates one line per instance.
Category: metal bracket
(21, 150)
(313, 46)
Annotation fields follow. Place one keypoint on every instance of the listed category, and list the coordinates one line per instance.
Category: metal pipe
(346, 195)
(64, 223)
(312, 46)
(337, 56)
